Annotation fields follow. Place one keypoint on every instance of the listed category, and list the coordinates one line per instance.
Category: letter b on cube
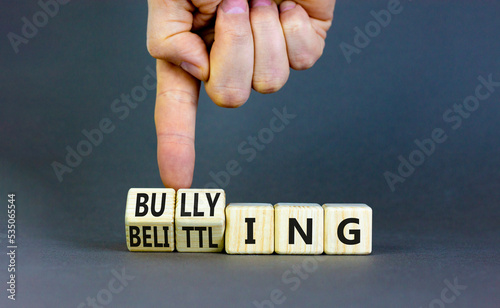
(149, 219)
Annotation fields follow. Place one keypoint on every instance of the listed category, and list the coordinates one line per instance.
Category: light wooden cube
(200, 220)
(250, 228)
(298, 228)
(348, 228)
(149, 219)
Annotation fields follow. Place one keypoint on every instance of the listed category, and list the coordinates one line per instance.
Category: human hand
(253, 48)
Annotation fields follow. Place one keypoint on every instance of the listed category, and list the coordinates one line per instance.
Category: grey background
(353, 121)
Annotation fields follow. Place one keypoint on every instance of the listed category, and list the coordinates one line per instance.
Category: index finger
(175, 119)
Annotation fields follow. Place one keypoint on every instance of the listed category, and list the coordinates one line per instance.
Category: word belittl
(198, 220)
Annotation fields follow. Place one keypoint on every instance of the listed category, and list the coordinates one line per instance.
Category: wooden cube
(348, 228)
(200, 220)
(149, 219)
(250, 228)
(298, 228)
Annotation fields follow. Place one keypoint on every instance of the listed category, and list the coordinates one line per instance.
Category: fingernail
(256, 3)
(287, 5)
(191, 69)
(234, 6)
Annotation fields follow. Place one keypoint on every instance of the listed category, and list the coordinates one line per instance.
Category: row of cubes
(198, 220)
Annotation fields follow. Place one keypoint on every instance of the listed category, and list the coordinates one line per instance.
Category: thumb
(169, 37)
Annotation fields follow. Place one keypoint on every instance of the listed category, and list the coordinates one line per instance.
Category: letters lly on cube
(200, 220)
(149, 219)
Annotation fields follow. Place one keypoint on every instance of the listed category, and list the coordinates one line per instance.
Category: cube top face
(298, 228)
(250, 228)
(150, 205)
(347, 205)
(348, 228)
(244, 205)
(149, 219)
(206, 205)
(296, 205)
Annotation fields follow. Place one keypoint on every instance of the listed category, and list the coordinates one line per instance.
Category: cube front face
(348, 228)
(250, 228)
(200, 220)
(298, 228)
(149, 219)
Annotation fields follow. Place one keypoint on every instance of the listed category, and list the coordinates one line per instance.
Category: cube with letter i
(250, 228)
(149, 219)
(200, 220)
(348, 228)
(298, 228)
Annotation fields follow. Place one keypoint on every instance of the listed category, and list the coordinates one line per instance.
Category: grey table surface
(436, 239)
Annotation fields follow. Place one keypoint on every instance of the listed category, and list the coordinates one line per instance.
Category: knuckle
(264, 19)
(229, 97)
(295, 26)
(269, 84)
(206, 6)
(153, 49)
(303, 60)
(238, 35)
(174, 138)
(178, 96)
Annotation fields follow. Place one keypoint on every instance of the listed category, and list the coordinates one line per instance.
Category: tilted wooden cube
(200, 220)
(298, 228)
(250, 228)
(348, 228)
(149, 219)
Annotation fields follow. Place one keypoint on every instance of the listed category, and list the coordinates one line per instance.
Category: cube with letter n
(298, 228)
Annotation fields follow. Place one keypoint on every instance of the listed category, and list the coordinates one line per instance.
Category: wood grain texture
(146, 222)
(250, 228)
(348, 228)
(290, 220)
(200, 220)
